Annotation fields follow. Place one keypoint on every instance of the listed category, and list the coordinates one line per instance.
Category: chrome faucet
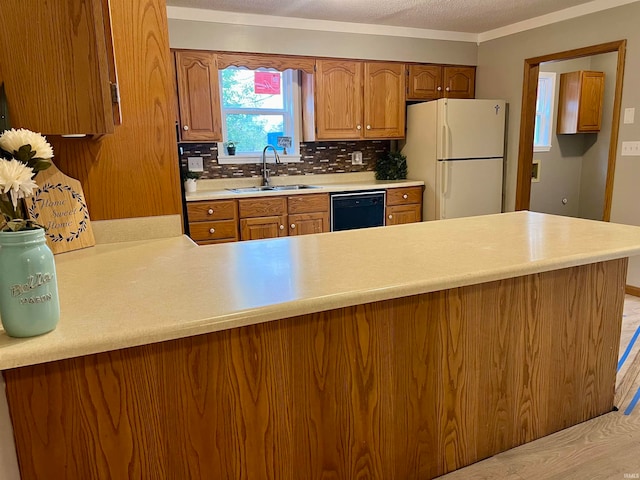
(265, 170)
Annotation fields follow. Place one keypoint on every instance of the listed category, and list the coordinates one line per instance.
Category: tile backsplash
(317, 158)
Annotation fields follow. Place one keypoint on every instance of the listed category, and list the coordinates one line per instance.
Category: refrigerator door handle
(445, 178)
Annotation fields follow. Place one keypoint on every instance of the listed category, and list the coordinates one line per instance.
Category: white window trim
(552, 102)
(296, 109)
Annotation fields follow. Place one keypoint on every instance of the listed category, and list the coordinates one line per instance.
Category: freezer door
(470, 128)
(469, 187)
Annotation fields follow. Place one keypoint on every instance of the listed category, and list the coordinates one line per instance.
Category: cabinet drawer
(215, 210)
(262, 207)
(404, 196)
(308, 203)
(214, 230)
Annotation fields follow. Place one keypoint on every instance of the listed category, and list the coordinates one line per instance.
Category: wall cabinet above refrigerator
(430, 82)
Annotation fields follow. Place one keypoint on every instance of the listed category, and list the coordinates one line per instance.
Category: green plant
(187, 174)
(392, 166)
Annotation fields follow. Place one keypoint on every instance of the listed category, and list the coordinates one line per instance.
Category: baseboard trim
(631, 290)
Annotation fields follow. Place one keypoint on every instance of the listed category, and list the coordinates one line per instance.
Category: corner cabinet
(198, 96)
(580, 102)
(430, 82)
(347, 100)
(61, 79)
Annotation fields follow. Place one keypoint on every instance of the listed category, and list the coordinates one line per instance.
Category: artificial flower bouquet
(23, 154)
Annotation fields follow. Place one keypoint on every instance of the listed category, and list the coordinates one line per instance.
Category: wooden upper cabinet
(198, 96)
(338, 99)
(424, 82)
(59, 79)
(580, 102)
(384, 100)
(459, 82)
(356, 100)
(430, 82)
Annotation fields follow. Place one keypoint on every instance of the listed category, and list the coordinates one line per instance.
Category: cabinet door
(459, 82)
(404, 214)
(338, 100)
(263, 227)
(58, 79)
(198, 96)
(424, 82)
(384, 100)
(590, 103)
(306, 223)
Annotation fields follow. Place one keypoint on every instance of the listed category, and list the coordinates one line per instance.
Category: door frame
(528, 118)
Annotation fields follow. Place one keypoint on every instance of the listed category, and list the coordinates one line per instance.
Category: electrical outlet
(630, 149)
(356, 158)
(195, 164)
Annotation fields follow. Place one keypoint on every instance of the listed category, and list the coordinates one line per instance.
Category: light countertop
(125, 294)
(220, 190)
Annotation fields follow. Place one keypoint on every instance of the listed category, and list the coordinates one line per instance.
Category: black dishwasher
(357, 210)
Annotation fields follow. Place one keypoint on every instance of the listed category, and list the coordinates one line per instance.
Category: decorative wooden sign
(59, 206)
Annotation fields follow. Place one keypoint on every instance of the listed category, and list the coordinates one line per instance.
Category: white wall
(500, 70)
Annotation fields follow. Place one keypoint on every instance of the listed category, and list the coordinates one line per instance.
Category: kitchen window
(545, 102)
(258, 106)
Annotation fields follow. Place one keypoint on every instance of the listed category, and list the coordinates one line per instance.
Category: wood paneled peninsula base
(398, 388)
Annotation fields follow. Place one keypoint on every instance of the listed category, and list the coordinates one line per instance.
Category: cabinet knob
(439, 89)
(212, 230)
(185, 128)
(281, 227)
(293, 225)
(210, 211)
(447, 89)
(405, 196)
(359, 127)
(390, 217)
(368, 127)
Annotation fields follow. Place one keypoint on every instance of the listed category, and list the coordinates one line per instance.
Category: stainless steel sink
(275, 188)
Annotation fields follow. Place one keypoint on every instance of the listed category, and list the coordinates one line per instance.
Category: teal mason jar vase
(29, 302)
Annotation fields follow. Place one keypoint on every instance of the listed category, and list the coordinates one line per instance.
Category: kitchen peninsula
(395, 352)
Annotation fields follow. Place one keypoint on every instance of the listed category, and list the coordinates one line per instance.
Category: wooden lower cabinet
(306, 223)
(401, 214)
(213, 221)
(404, 205)
(406, 388)
(260, 228)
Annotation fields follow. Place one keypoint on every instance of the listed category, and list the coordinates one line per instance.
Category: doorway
(527, 124)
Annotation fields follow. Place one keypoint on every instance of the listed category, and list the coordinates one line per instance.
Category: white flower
(15, 180)
(12, 140)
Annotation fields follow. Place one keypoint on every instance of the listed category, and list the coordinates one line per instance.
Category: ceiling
(472, 16)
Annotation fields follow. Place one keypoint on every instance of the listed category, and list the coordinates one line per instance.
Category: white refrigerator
(457, 147)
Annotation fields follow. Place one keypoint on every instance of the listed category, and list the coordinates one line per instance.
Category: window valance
(259, 60)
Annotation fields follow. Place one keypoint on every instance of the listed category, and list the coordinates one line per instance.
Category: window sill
(256, 158)
(542, 148)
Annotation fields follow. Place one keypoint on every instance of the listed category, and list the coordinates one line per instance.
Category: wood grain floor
(607, 447)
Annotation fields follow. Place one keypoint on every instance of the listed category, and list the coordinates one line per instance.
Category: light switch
(629, 115)
(195, 164)
(630, 149)
(356, 158)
